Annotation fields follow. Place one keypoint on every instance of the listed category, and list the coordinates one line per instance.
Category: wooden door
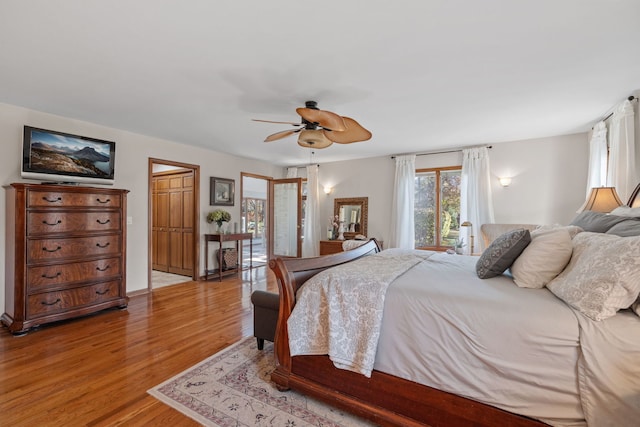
(160, 226)
(173, 199)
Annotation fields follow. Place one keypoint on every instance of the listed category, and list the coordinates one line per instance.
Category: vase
(218, 228)
(341, 231)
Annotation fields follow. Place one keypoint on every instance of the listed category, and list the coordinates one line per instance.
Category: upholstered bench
(265, 315)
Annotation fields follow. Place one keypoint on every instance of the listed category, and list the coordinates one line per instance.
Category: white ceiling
(421, 75)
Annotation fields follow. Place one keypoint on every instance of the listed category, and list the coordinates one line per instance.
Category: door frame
(268, 179)
(196, 216)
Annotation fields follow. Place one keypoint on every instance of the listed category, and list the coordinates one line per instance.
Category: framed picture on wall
(222, 191)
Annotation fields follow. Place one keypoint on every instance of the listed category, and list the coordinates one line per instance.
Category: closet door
(160, 226)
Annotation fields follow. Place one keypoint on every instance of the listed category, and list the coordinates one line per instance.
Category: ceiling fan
(320, 128)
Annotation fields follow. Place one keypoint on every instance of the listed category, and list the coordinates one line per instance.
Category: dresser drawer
(53, 275)
(53, 302)
(64, 222)
(54, 249)
(65, 199)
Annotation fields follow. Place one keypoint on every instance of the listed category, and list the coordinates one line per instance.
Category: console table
(221, 238)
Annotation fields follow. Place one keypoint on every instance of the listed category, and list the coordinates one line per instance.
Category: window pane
(425, 208)
(450, 207)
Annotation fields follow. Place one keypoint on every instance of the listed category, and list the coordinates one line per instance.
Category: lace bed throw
(339, 311)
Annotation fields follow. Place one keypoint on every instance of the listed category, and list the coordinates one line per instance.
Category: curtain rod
(444, 152)
(631, 98)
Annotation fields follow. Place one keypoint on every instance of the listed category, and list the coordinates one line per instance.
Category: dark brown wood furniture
(220, 271)
(383, 398)
(328, 247)
(65, 253)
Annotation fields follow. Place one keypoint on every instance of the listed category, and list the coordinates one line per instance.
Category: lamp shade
(602, 199)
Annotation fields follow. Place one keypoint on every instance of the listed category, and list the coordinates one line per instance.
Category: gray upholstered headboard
(634, 200)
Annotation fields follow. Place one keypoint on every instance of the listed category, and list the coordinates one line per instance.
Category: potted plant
(458, 245)
(218, 216)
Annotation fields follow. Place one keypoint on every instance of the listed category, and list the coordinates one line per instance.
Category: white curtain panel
(312, 224)
(476, 202)
(622, 173)
(402, 222)
(597, 157)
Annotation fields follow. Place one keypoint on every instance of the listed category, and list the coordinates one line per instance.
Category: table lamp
(468, 224)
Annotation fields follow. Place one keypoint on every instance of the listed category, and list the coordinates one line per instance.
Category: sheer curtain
(476, 202)
(402, 223)
(622, 172)
(311, 231)
(597, 157)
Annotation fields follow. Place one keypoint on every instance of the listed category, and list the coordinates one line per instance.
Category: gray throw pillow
(627, 228)
(596, 222)
(502, 253)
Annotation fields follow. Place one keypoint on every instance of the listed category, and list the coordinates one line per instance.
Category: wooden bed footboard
(383, 398)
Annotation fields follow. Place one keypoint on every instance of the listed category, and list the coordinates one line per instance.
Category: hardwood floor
(96, 370)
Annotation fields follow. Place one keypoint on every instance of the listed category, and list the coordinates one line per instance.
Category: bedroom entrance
(173, 222)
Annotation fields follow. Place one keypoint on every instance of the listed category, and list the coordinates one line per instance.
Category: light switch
(129, 220)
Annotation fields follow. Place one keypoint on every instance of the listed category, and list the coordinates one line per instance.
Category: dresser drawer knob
(103, 201)
(103, 292)
(52, 250)
(106, 245)
(55, 223)
(103, 269)
(57, 199)
(52, 277)
(51, 303)
(103, 222)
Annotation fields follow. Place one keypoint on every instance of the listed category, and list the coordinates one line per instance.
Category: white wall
(132, 154)
(548, 185)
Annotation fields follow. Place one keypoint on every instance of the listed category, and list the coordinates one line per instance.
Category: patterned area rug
(233, 388)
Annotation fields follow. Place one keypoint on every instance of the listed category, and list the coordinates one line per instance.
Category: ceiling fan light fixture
(313, 138)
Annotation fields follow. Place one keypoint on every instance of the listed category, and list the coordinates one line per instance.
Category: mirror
(353, 211)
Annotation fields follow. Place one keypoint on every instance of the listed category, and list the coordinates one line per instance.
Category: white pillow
(543, 259)
(602, 276)
(626, 211)
(572, 229)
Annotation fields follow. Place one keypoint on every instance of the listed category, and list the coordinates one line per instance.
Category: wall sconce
(505, 181)
(328, 190)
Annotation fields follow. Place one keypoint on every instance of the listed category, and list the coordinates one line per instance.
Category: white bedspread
(522, 350)
(339, 311)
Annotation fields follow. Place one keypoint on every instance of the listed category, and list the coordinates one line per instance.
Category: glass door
(285, 217)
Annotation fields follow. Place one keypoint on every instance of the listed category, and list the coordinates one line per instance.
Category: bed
(448, 381)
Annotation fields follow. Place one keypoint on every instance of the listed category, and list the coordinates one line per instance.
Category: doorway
(174, 204)
(254, 212)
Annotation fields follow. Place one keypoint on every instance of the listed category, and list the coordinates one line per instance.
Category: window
(437, 207)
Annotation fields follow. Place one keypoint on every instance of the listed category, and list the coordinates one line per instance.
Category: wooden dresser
(328, 247)
(65, 253)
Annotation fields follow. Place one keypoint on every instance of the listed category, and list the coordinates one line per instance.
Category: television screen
(56, 156)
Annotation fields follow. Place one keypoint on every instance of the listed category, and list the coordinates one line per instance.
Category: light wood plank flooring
(95, 371)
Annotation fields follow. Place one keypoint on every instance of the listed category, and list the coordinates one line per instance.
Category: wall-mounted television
(62, 157)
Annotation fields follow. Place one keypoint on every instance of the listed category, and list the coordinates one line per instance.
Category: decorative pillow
(627, 228)
(572, 229)
(602, 276)
(626, 211)
(543, 259)
(596, 222)
(502, 252)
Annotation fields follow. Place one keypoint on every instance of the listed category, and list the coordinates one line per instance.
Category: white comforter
(522, 350)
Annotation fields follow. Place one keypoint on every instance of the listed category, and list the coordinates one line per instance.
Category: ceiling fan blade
(282, 123)
(354, 133)
(326, 119)
(279, 135)
(313, 139)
